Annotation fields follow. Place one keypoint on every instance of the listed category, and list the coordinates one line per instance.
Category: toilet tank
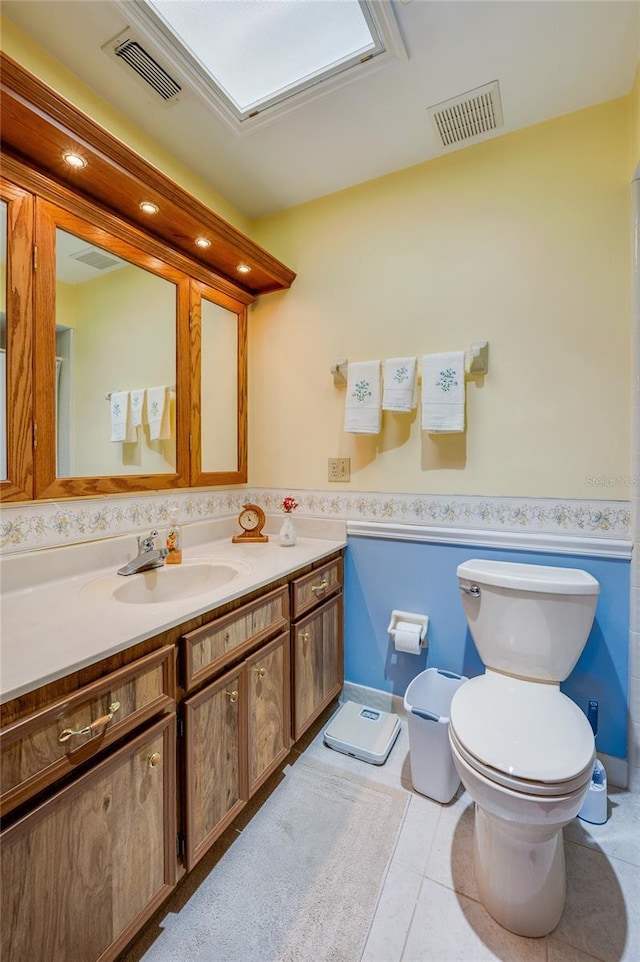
(528, 620)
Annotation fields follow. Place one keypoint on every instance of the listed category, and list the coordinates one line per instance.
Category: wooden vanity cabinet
(236, 733)
(86, 869)
(316, 643)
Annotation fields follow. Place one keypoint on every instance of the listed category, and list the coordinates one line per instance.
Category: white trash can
(427, 702)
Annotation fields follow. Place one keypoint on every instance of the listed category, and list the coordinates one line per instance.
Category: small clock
(252, 520)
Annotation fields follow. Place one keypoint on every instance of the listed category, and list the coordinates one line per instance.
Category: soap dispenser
(174, 540)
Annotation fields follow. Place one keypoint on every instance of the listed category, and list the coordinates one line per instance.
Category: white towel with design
(121, 426)
(137, 406)
(362, 412)
(159, 413)
(443, 392)
(400, 384)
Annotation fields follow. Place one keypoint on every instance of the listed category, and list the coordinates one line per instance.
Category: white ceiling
(549, 56)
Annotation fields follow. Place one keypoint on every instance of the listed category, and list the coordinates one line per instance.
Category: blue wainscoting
(382, 574)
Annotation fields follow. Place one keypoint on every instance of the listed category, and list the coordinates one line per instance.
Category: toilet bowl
(524, 751)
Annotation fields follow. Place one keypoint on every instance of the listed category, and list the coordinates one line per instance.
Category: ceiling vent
(471, 114)
(127, 49)
(97, 259)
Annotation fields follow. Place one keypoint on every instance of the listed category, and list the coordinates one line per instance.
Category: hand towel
(137, 406)
(362, 414)
(121, 427)
(399, 392)
(443, 392)
(159, 413)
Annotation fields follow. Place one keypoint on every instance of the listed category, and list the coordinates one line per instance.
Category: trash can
(427, 702)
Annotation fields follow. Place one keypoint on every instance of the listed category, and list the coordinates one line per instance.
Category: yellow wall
(634, 101)
(19, 46)
(522, 240)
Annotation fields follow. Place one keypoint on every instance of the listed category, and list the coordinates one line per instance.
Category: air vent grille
(471, 114)
(97, 259)
(134, 54)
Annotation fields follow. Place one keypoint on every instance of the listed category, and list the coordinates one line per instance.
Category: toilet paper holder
(409, 617)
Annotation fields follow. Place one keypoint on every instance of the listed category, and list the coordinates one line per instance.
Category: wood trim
(198, 291)
(38, 124)
(18, 484)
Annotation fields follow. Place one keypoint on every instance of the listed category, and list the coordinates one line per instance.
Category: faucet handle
(148, 543)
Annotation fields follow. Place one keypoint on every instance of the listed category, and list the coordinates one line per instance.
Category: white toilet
(524, 751)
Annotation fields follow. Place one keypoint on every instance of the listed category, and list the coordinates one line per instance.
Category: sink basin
(169, 583)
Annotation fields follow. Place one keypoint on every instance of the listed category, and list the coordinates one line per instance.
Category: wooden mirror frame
(38, 126)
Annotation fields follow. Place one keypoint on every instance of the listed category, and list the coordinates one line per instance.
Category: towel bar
(476, 361)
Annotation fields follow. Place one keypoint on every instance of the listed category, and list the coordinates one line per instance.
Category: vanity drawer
(41, 748)
(316, 587)
(209, 648)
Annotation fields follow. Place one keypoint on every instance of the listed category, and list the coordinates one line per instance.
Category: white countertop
(59, 613)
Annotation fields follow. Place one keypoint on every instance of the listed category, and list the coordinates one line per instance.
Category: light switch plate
(339, 469)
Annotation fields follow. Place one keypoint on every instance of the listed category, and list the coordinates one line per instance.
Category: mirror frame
(199, 477)
(18, 485)
(48, 217)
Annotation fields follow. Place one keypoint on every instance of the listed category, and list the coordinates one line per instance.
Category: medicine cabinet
(91, 303)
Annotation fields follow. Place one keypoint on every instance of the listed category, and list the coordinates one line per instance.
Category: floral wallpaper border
(24, 527)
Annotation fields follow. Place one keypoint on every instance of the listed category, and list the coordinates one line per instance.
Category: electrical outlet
(339, 469)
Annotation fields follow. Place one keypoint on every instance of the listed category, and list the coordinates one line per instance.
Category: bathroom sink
(168, 583)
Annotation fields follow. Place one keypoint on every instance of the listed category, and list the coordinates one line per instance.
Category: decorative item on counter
(252, 520)
(174, 540)
(287, 534)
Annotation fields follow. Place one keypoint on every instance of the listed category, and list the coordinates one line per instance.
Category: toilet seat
(526, 736)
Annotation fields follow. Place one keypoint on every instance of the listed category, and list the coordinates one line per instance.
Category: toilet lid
(528, 731)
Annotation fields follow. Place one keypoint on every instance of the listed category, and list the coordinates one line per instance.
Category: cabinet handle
(319, 589)
(260, 671)
(304, 635)
(233, 696)
(154, 759)
(93, 727)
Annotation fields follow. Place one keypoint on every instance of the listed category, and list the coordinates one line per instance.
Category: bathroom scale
(362, 732)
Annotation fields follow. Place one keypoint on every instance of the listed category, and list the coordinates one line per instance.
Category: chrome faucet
(148, 556)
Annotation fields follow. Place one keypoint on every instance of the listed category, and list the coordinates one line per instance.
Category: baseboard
(616, 768)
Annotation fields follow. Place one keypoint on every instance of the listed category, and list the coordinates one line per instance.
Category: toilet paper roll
(406, 637)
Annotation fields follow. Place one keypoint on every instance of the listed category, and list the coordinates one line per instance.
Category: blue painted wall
(381, 575)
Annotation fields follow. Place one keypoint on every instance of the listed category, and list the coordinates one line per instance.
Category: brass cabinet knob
(233, 696)
(154, 759)
(319, 589)
(260, 671)
(304, 636)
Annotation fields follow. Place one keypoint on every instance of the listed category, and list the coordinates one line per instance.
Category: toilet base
(520, 874)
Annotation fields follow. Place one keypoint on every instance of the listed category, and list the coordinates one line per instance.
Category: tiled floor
(429, 910)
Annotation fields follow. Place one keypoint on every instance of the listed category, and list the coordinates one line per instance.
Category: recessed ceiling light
(148, 208)
(74, 160)
(203, 242)
(243, 269)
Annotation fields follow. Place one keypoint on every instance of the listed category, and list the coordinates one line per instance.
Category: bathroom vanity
(125, 756)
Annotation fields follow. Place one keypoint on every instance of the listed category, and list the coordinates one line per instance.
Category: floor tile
(393, 916)
(417, 834)
(561, 952)
(619, 837)
(448, 927)
(451, 859)
(601, 910)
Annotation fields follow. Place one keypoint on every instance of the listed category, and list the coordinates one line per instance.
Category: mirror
(219, 388)
(3, 340)
(115, 332)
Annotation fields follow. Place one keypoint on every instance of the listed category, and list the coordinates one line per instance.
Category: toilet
(524, 751)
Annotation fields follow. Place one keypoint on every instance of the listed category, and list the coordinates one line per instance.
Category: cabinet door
(318, 669)
(215, 761)
(88, 867)
(268, 703)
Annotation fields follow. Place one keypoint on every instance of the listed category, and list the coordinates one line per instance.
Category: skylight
(258, 53)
